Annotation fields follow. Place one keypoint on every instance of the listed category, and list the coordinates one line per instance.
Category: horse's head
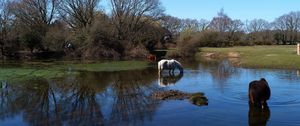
(178, 65)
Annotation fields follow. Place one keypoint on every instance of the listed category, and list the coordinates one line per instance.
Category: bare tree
(78, 13)
(191, 24)
(288, 25)
(203, 24)
(259, 31)
(235, 27)
(40, 13)
(220, 23)
(173, 24)
(257, 25)
(130, 16)
(5, 23)
(226, 27)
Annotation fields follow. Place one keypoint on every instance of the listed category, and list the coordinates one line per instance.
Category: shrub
(32, 40)
(138, 51)
(188, 44)
(55, 37)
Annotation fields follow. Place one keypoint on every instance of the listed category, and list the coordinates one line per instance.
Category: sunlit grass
(262, 56)
(49, 71)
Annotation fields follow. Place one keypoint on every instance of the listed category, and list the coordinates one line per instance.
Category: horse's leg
(160, 69)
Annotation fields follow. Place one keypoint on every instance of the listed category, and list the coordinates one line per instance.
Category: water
(124, 97)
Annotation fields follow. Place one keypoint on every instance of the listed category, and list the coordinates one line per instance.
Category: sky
(235, 9)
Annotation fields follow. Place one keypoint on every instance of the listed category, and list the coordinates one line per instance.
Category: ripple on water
(277, 100)
(240, 98)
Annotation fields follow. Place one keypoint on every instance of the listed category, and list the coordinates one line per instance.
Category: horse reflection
(166, 80)
(258, 116)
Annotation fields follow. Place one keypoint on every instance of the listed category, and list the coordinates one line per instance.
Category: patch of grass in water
(19, 74)
(60, 70)
(110, 66)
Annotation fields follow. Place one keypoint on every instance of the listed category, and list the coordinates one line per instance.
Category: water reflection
(166, 80)
(221, 71)
(123, 98)
(224, 71)
(132, 103)
(79, 99)
(258, 116)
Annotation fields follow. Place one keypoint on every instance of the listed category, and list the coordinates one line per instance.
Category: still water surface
(124, 97)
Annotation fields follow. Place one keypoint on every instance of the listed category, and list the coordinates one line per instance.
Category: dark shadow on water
(258, 116)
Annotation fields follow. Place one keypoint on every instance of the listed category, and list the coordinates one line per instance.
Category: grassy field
(261, 56)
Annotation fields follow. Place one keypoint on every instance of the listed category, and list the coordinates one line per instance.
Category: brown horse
(151, 57)
(259, 93)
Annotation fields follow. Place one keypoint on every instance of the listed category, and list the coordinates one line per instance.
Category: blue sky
(236, 9)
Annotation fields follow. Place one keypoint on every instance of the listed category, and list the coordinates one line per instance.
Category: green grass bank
(274, 56)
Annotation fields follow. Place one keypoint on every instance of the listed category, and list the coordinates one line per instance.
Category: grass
(110, 66)
(262, 56)
(52, 70)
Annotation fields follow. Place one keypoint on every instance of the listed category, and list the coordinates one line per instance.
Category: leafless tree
(191, 24)
(235, 27)
(203, 24)
(35, 13)
(220, 23)
(78, 13)
(226, 27)
(259, 31)
(173, 24)
(257, 25)
(288, 25)
(130, 16)
(6, 20)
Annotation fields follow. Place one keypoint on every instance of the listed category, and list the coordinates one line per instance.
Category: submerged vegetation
(48, 71)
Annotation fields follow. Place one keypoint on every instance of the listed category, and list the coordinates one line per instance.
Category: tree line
(129, 28)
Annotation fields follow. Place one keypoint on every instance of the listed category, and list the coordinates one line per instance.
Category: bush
(138, 51)
(188, 44)
(55, 37)
(100, 51)
(32, 40)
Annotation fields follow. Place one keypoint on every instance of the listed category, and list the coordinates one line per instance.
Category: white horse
(170, 65)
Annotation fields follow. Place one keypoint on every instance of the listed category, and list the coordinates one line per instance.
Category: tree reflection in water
(78, 99)
(132, 103)
(79, 103)
(220, 70)
(39, 102)
(7, 98)
(224, 71)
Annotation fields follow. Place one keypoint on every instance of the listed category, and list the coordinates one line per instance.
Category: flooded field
(42, 93)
